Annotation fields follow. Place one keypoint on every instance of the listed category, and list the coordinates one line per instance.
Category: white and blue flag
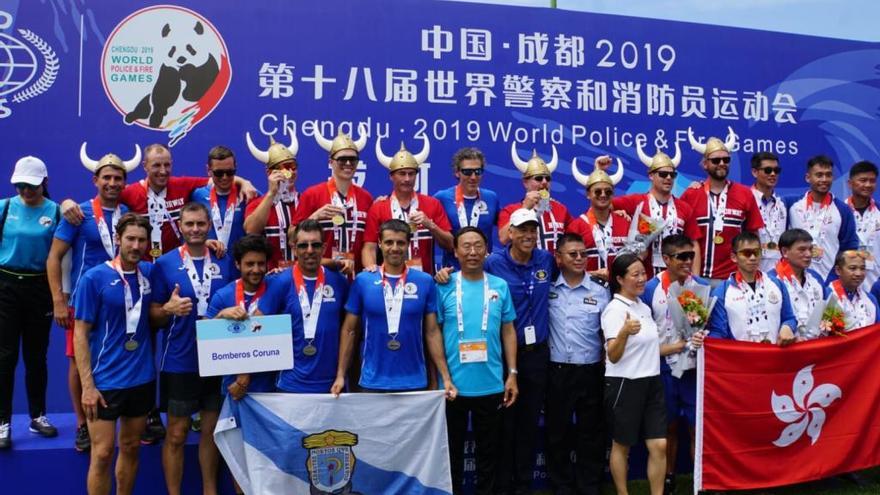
(354, 444)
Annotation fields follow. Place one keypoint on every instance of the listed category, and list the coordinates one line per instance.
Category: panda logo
(165, 68)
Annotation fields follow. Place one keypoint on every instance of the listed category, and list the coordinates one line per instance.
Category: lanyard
(106, 239)
(757, 310)
(816, 221)
(201, 285)
(399, 213)
(459, 313)
(460, 209)
(716, 211)
(240, 293)
(865, 229)
(543, 228)
(855, 309)
(132, 309)
(223, 225)
(602, 235)
(282, 213)
(670, 226)
(773, 214)
(344, 243)
(310, 312)
(157, 211)
(393, 301)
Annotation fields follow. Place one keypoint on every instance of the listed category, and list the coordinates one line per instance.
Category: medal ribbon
(132, 309)
(484, 324)
(223, 226)
(864, 222)
(157, 211)
(393, 301)
(107, 240)
(310, 312)
(815, 222)
(601, 235)
(339, 231)
(670, 225)
(773, 213)
(544, 226)
(398, 213)
(757, 311)
(282, 212)
(239, 296)
(854, 309)
(202, 287)
(716, 211)
(460, 209)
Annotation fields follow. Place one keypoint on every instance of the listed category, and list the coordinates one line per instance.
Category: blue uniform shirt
(178, 352)
(100, 301)
(480, 378)
(311, 374)
(382, 368)
(203, 196)
(729, 318)
(530, 288)
(225, 298)
(85, 241)
(27, 234)
(575, 320)
(489, 207)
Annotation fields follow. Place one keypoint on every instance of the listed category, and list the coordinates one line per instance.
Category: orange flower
(645, 226)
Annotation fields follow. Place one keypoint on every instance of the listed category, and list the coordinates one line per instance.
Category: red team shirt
(422, 238)
(337, 239)
(741, 214)
(685, 221)
(619, 232)
(553, 223)
(281, 250)
(178, 193)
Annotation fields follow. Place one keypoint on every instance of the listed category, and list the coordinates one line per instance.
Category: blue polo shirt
(382, 368)
(27, 234)
(100, 300)
(475, 379)
(203, 196)
(225, 298)
(575, 320)
(178, 353)
(311, 374)
(489, 207)
(85, 241)
(529, 285)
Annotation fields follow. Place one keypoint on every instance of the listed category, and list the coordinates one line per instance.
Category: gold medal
(155, 252)
(771, 245)
(719, 239)
(393, 345)
(817, 252)
(287, 174)
(310, 350)
(337, 220)
(413, 228)
(131, 345)
(544, 194)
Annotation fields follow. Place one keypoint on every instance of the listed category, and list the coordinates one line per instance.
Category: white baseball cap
(523, 216)
(30, 170)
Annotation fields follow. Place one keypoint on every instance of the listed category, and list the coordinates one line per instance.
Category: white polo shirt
(641, 356)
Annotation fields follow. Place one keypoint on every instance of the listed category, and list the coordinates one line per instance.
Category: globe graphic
(17, 64)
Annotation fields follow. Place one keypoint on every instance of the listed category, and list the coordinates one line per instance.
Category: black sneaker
(5, 436)
(41, 426)
(196, 423)
(669, 484)
(155, 430)
(82, 442)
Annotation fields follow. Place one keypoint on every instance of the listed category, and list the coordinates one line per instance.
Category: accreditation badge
(474, 351)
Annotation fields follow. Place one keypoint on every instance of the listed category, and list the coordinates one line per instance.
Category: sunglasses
(471, 171)
(720, 160)
(771, 170)
(748, 253)
(347, 160)
(577, 254)
(541, 178)
(305, 245)
(21, 186)
(665, 174)
(603, 192)
(223, 173)
(684, 256)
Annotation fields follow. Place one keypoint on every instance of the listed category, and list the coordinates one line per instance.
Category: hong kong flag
(770, 416)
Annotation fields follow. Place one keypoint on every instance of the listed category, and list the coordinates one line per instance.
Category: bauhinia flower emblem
(805, 410)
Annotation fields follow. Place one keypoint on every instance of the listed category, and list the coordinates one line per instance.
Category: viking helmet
(109, 160)
(597, 176)
(403, 158)
(713, 144)
(277, 152)
(660, 159)
(342, 141)
(535, 165)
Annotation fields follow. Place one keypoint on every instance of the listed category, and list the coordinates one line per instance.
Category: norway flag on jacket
(770, 416)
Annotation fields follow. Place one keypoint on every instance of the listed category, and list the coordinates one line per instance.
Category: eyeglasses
(771, 170)
(719, 160)
(347, 160)
(21, 186)
(315, 245)
(748, 253)
(684, 256)
(665, 174)
(577, 254)
(223, 173)
(603, 192)
(541, 178)
(471, 171)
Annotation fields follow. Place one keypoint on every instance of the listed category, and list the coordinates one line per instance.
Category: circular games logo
(165, 68)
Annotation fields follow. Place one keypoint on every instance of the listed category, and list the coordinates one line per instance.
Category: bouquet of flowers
(833, 321)
(689, 310)
(643, 230)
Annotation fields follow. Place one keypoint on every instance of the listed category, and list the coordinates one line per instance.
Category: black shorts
(132, 402)
(635, 408)
(182, 394)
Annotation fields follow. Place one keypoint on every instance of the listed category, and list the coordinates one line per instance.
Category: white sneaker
(41, 426)
(5, 436)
